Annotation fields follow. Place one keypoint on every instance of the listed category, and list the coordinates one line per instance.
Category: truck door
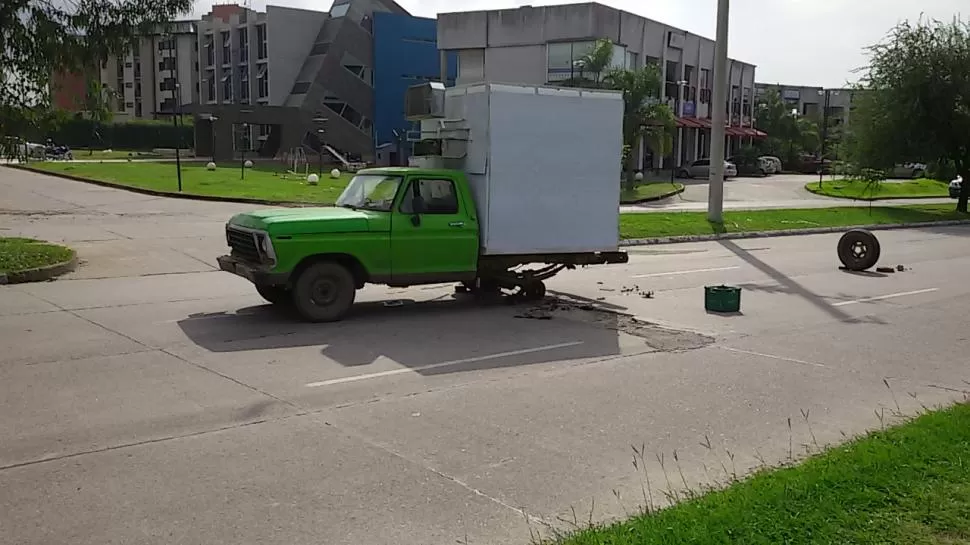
(432, 234)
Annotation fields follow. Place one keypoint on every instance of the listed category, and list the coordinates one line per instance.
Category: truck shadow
(444, 335)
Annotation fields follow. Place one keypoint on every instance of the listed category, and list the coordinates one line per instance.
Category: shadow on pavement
(445, 335)
(790, 286)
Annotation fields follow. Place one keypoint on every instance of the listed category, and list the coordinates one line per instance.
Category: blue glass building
(405, 53)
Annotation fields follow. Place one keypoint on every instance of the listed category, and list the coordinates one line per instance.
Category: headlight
(264, 244)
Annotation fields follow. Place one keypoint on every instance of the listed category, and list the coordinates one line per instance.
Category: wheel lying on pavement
(858, 250)
(534, 290)
(324, 292)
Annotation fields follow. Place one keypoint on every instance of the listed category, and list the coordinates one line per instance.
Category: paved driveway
(148, 398)
(777, 191)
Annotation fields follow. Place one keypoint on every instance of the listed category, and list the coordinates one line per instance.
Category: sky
(794, 42)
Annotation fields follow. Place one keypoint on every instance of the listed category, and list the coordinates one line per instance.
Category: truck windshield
(370, 192)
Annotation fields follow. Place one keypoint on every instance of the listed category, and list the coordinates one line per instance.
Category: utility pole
(176, 109)
(715, 195)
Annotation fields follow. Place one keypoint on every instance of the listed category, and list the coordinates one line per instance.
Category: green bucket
(722, 299)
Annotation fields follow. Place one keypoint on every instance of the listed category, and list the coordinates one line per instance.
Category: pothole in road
(660, 338)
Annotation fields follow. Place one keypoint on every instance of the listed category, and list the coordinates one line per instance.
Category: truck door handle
(456, 224)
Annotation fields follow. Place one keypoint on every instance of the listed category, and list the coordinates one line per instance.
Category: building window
(705, 86)
(244, 83)
(562, 59)
(746, 103)
(210, 54)
(128, 85)
(243, 44)
(168, 63)
(138, 90)
(167, 84)
(339, 10)
(301, 87)
(227, 85)
(226, 48)
(138, 109)
(631, 60)
(129, 104)
(262, 82)
(210, 88)
(134, 51)
(137, 69)
(261, 41)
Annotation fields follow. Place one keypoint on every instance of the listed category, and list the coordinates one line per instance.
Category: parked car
(955, 187)
(909, 170)
(773, 164)
(701, 168)
(753, 166)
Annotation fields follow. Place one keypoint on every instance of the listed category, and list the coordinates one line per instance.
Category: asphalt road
(148, 398)
(777, 191)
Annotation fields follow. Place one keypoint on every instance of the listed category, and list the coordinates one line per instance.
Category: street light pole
(715, 196)
(177, 110)
(825, 134)
(243, 142)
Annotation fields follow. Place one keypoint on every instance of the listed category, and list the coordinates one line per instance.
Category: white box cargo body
(544, 165)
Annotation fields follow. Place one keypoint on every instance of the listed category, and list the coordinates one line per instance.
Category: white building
(144, 79)
(540, 46)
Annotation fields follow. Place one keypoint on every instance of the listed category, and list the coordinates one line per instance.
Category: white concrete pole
(715, 196)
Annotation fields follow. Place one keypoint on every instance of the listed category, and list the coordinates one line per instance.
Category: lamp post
(243, 142)
(827, 94)
(176, 114)
(681, 85)
(715, 195)
(320, 121)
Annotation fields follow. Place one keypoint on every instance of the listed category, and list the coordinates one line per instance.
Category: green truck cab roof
(414, 171)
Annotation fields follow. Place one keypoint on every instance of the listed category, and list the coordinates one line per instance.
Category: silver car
(955, 187)
(701, 168)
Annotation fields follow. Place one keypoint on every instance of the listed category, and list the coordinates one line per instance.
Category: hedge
(137, 135)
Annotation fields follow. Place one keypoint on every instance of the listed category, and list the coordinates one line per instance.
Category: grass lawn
(906, 485)
(21, 254)
(650, 190)
(666, 224)
(259, 183)
(87, 155)
(909, 189)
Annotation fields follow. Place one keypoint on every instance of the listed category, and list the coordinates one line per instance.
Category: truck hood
(307, 221)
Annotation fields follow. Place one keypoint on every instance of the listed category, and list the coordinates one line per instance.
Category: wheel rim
(858, 250)
(324, 291)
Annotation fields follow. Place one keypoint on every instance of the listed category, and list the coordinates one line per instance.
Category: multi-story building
(293, 78)
(149, 80)
(810, 101)
(156, 75)
(541, 46)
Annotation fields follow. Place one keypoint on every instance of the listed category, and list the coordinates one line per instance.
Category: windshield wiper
(350, 206)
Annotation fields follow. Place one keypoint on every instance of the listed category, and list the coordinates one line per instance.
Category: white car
(701, 168)
(955, 187)
(772, 163)
(909, 170)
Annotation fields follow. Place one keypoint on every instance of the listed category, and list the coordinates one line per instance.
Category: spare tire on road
(858, 250)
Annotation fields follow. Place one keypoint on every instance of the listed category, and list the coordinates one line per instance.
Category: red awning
(689, 123)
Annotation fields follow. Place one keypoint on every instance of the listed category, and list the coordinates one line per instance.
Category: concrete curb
(656, 198)
(871, 199)
(787, 232)
(169, 194)
(41, 274)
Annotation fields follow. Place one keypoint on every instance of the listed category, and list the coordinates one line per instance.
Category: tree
(40, 37)
(913, 103)
(645, 116)
(789, 134)
(597, 61)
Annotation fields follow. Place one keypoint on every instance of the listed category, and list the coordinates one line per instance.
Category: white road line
(773, 357)
(356, 378)
(881, 297)
(691, 271)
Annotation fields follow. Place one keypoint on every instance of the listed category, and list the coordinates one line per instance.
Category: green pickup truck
(396, 226)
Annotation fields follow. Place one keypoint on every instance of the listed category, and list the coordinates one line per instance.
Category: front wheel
(276, 295)
(684, 174)
(324, 292)
(858, 250)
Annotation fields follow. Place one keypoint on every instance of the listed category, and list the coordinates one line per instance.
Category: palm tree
(597, 61)
(644, 115)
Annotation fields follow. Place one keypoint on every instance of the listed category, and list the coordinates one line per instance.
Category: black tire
(534, 291)
(684, 173)
(277, 295)
(324, 292)
(858, 250)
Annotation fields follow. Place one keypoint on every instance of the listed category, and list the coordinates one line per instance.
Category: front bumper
(257, 274)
